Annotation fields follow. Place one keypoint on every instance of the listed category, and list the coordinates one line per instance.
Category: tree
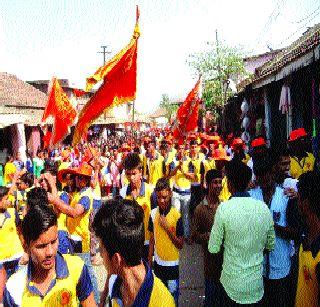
(168, 106)
(219, 66)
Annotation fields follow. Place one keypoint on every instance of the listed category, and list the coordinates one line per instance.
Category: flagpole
(132, 119)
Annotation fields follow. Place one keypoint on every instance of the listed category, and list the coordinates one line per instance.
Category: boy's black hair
(308, 188)
(213, 174)
(3, 191)
(37, 221)
(265, 164)
(37, 197)
(119, 225)
(28, 179)
(163, 146)
(193, 142)
(132, 161)
(136, 150)
(238, 174)
(162, 184)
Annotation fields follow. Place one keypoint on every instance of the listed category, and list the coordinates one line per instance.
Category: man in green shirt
(245, 226)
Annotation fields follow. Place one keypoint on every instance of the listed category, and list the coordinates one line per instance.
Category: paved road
(191, 276)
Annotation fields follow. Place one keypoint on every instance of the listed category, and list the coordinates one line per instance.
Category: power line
(304, 18)
(271, 19)
(300, 28)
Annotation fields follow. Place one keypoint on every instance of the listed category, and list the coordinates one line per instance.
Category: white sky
(39, 39)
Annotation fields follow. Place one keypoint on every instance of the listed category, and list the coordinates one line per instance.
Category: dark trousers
(226, 301)
(196, 197)
(277, 292)
(213, 292)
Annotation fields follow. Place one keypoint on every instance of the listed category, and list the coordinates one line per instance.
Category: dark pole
(104, 52)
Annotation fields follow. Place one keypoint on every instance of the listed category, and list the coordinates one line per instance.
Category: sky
(40, 39)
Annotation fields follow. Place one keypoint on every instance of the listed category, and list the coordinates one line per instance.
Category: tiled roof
(304, 44)
(15, 92)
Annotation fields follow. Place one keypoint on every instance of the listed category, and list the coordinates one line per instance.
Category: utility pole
(104, 52)
(221, 84)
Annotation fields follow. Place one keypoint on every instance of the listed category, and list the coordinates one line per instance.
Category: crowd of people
(132, 204)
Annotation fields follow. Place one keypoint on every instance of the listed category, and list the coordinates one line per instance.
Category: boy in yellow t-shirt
(10, 245)
(309, 252)
(119, 226)
(9, 171)
(166, 240)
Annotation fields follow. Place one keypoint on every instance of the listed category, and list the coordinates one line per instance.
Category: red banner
(119, 86)
(187, 114)
(60, 108)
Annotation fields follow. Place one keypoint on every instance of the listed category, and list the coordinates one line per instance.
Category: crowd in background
(254, 210)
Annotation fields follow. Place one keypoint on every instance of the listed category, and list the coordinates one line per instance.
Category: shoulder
(153, 213)
(175, 212)
(75, 261)
(311, 156)
(123, 191)
(148, 188)
(160, 295)
(16, 284)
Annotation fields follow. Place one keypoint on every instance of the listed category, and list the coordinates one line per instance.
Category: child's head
(40, 236)
(119, 226)
(133, 168)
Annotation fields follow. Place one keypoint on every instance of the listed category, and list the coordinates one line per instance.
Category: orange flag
(60, 108)
(119, 86)
(102, 71)
(187, 114)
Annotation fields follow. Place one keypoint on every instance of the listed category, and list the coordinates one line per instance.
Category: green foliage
(170, 108)
(217, 66)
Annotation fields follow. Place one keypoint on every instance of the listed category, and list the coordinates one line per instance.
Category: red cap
(237, 142)
(297, 134)
(260, 141)
(192, 136)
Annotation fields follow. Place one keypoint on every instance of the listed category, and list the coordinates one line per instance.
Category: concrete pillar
(19, 140)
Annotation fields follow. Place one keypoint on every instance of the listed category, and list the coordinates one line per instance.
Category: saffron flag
(187, 114)
(60, 108)
(119, 86)
(78, 93)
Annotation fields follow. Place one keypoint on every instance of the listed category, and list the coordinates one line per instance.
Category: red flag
(60, 108)
(78, 92)
(119, 86)
(187, 114)
(46, 139)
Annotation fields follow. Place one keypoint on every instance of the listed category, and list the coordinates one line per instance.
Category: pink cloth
(115, 175)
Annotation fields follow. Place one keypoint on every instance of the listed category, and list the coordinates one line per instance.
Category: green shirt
(245, 226)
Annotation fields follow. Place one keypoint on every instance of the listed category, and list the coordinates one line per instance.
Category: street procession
(183, 171)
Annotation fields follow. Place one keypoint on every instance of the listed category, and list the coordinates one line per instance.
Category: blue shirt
(277, 263)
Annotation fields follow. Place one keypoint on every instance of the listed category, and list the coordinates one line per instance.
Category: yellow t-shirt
(9, 169)
(307, 289)
(297, 168)
(153, 293)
